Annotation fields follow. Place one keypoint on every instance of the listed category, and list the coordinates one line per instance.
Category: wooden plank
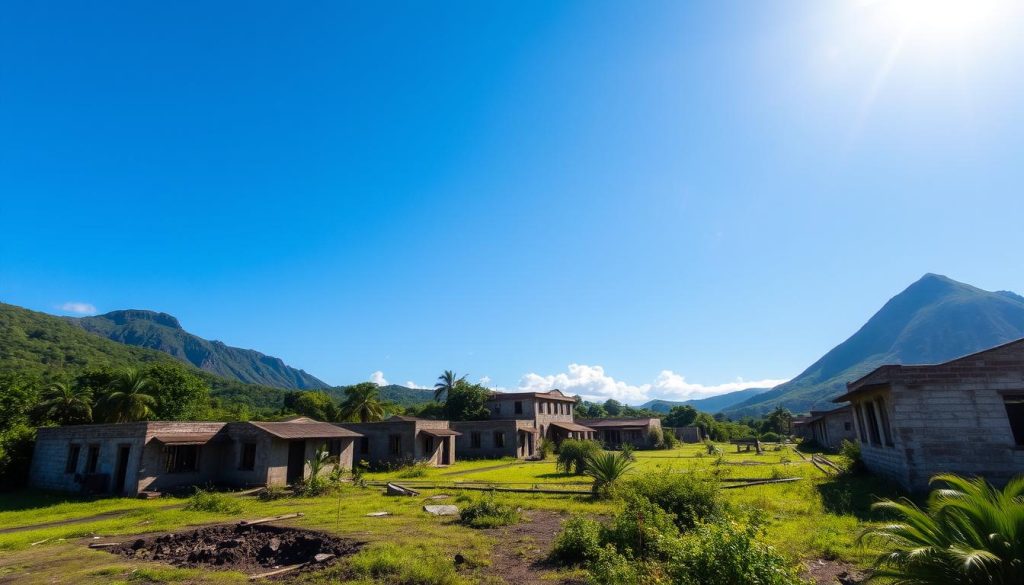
(763, 482)
(269, 519)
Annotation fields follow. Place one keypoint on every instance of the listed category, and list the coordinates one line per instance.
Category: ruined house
(401, 440)
(830, 428)
(964, 416)
(129, 458)
(615, 432)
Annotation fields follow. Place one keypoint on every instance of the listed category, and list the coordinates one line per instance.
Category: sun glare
(940, 20)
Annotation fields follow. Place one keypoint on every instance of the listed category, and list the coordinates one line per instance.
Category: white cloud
(485, 380)
(378, 378)
(414, 385)
(592, 383)
(78, 308)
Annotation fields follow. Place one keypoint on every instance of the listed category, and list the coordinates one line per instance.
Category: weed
(488, 513)
(207, 501)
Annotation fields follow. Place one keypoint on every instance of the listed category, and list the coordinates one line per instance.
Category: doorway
(121, 470)
(296, 461)
(446, 451)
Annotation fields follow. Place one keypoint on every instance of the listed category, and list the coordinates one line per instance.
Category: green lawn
(816, 517)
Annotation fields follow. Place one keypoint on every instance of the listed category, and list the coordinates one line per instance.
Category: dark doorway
(121, 471)
(296, 461)
(446, 451)
(428, 447)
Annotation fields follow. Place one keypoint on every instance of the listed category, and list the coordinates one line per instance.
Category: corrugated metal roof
(305, 430)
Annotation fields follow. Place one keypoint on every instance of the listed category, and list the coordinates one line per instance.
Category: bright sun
(940, 20)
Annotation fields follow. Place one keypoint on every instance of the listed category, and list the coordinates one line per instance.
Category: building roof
(555, 394)
(185, 438)
(305, 430)
(402, 418)
(573, 427)
(817, 415)
(440, 433)
(617, 423)
(884, 375)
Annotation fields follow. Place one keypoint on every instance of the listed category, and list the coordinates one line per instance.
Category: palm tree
(606, 468)
(362, 403)
(67, 404)
(126, 399)
(969, 533)
(445, 383)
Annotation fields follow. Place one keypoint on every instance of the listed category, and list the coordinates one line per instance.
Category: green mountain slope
(37, 343)
(711, 405)
(162, 332)
(934, 320)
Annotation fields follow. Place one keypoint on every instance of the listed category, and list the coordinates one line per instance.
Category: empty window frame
(499, 439)
(518, 407)
(395, 444)
(364, 445)
(883, 414)
(92, 460)
(1014, 404)
(247, 460)
(71, 465)
(474, 440)
(334, 449)
(873, 431)
(182, 458)
(858, 409)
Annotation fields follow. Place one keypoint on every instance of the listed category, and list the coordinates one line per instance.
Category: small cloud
(78, 308)
(414, 385)
(485, 380)
(378, 378)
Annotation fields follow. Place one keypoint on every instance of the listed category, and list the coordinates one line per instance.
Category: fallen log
(269, 519)
(104, 544)
(763, 482)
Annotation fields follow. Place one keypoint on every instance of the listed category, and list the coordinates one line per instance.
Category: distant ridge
(934, 320)
(710, 405)
(163, 332)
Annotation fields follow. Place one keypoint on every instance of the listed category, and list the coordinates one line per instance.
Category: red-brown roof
(305, 430)
(185, 438)
(440, 433)
(617, 422)
(573, 427)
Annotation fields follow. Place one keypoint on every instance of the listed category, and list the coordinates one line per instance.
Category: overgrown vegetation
(969, 532)
(210, 501)
(486, 512)
(606, 469)
(573, 455)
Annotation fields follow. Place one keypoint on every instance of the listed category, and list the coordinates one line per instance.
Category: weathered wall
(49, 458)
(488, 447)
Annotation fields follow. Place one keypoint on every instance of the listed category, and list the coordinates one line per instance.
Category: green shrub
(726, 553)
(418, 469)
(655, 439)
(572, 455)
(607, 469)
(671, 441)
(628, 451)
(770, 437)
(545, 448)
(398, 565)
(613, 568)
(643, 530)
(578, 543)
(272, 493)
(206, 501)
(689, 497)
(851, 451)
(488, 513)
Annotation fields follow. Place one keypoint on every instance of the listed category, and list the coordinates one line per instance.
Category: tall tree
(67, 403)
(316, 405)
(681, 416)
(179, 394)
(362, 403)
(467, 401)
(128, 397)
(446, 382)
(613, 407)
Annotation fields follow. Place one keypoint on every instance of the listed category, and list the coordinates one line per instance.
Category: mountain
(934, 320)
(163, 332)
(37, 343)
(395, 393)
(710, 405)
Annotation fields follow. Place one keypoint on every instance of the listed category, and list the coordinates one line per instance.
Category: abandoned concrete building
(130, 458)
(615, 432)
(404, 439)
(963, 416)
(830, 428)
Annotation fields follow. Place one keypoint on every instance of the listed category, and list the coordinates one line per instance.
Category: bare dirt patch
(250, 549)
(826, 572)
(520, 557)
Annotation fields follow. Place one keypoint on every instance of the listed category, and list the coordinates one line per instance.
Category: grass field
(817, 517)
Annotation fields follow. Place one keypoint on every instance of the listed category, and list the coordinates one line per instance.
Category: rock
(441, 510)
(394, 489)
(274, 544)
(378, 514)
(459, 559)
(319, 558)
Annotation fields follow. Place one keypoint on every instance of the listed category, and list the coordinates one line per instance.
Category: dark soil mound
(244, 548)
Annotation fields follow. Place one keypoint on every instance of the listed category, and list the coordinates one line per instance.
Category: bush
(573, 454)
(488, 513)
(206, 501)
(643, 530)
(690, 497)
(770, 437)
(851, 451)
(612, 568)
(671, 441)
(272, 493)
(578, 543)
(726, 553)
(390, 563)
(545, 448)
(607, 469)
(629, 452)
(418, 469)
(656, 439)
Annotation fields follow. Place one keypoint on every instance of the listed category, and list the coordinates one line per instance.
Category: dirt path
(83, 520)
(520, 556)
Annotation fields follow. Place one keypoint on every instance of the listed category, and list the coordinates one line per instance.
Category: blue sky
(628, 200)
